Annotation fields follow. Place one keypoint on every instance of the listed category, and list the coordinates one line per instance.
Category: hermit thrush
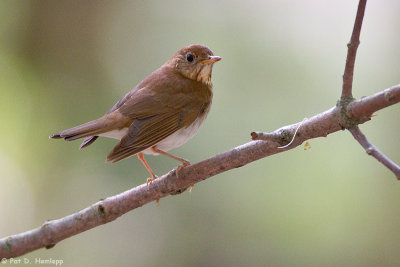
(162, 112)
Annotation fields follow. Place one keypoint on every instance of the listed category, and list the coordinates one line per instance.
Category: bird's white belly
(178, 138)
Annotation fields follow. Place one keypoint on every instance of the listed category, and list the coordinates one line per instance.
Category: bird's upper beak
(211, 60)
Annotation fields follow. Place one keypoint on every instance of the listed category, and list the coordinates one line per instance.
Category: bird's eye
(189, 57)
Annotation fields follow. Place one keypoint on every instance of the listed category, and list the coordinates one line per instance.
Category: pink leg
(184, 161)
(180, 167)
(153, 176)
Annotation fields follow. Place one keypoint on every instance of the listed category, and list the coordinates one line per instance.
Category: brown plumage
(162, 112)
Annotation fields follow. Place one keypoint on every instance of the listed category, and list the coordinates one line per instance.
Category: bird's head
(194, 62)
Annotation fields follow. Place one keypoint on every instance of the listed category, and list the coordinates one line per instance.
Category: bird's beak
(211, 60)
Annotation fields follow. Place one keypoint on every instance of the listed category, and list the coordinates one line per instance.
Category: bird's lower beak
(211, 60)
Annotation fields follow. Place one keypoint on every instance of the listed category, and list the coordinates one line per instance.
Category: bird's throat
(204, 75)
(201, 74)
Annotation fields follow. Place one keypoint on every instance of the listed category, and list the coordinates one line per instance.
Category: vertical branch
(352, 52)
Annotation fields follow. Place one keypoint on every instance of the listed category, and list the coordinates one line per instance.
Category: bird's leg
(153, 176)
(184, 161)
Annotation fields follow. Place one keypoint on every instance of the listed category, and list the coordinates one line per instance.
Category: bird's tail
(89, 129)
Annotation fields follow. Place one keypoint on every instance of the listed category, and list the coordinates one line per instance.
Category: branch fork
(348, 117)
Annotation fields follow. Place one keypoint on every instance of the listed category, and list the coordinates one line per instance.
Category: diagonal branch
(352, 52)
(107, 210)
(374, 151)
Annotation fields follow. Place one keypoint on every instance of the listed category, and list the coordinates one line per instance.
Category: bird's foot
(184, 164)
(150, 180)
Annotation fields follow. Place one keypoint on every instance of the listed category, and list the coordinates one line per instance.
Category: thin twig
(374, 151)
(352, 52)
(107, 210)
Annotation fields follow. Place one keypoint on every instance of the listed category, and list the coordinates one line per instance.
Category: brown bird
(162, 112)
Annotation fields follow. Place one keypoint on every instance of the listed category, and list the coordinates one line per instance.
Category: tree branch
(352, 52)
(107, 210)
(375, 102)
(347, 95)
(374, 151)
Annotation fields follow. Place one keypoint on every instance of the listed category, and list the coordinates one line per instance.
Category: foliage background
(63, 63)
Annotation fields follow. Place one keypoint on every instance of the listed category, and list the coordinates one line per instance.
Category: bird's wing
(156, 116)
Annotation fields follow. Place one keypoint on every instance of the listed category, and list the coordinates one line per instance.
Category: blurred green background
(63, 63)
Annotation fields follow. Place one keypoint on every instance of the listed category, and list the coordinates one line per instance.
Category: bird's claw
(150, 180)
(180, 167)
